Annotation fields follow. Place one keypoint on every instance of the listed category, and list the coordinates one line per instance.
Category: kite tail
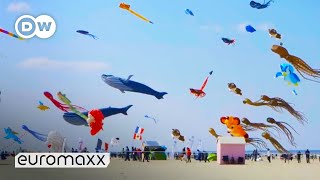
(141, 17)
(160, 95)
(39, 136)
(93, 36)
(213, 133)
(277, 145)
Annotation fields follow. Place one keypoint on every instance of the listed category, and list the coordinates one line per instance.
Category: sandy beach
(170, 170)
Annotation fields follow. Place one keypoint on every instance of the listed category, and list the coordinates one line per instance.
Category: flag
(138, 132)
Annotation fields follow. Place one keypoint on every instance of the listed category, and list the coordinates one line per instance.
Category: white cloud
(45, 64)
(216, 28)
(18, 7)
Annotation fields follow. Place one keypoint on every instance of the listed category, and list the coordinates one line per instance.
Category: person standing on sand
(127, 154)
(269, 155)
(308, 156)
(299, 157)
(188, 155)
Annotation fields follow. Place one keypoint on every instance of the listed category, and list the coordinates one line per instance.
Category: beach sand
(171, 170)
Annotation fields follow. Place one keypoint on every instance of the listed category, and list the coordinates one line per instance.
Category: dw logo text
(43, 26)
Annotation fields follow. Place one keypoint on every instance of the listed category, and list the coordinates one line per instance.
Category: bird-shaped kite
(87, 34)
(228, 41)
(287, 72)
(300, 65)
(42, 107)
(127, 7)
(189, 12)
(200, 92)
(10, 34)
(232, 87)
(12, 135)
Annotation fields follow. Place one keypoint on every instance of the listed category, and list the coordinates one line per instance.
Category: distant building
(231, 150)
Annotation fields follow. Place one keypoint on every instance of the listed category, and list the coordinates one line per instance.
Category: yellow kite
(127, 7)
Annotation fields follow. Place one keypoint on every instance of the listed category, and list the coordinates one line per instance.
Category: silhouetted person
(299, 157)
(146, 154)
(269, 155)
(127, 154)
(308, 156)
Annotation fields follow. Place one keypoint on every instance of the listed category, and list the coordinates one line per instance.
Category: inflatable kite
(233, 87)
(56, 142)
(12, 135)
(75, 119)
(284, 129)
(274, 33)
(64, 99)
(300, 65)
(127, 7)
(39, 136)
(87, 34)
(275, 143)
(199, 92)
(115, 141)
(213, 133)
(176, 134)
(278, 105)
(260, 126)
(228, 41)
(250, 29)
(42, 107)
(257, 5)
(132, 86)
(62, 107)
(148, 117)
(287, 72)
(189, 12)
(10, 34)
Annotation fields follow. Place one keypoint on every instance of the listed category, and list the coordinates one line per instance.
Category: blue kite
(132, 86)
(87, 34)
(189, 12)
(154, 119)
(287, 72)
(228, 41)
(257, 5)
(37, 135)
(74, 119)
(250, 29)
(12, 135)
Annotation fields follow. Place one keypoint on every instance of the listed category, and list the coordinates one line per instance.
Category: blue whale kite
(75, 119)
(128, 85)
(12, 135)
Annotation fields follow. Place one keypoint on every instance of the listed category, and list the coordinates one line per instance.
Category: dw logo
(43, 26)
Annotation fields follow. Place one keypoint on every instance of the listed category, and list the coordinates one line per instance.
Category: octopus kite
(59, 105)
(257, 5)
(260, 126)
(10, 34)
(284, 129)
(274, 142)
(176, 134)
(301, 66)
(127, 7)
(199, 92)
(277, 104)
(233, 87)
(228, 41)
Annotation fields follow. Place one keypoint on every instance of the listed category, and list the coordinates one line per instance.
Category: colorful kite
(189, 12)
(233, 87)
(228, 41)
(56, 142)
(138, 133)
(300, 65)
(39, 136)
(199, 92)
(148, 117)
(10, 34)
(287, 72)
(42, 107)
(87, 34)
(274, 142)
(127, 7)
(278, 105)
(62, 107)
(250, 29)
(12, 135)
(64, 99)
(284, 129)
(260, 126)
(132, 86)
(257, 5)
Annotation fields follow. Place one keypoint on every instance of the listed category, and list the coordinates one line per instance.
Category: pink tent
(231, 150)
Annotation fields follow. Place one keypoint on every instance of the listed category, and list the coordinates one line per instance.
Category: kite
(64, 99)
(260, 126)
(278, 105)
(62, 107)
(127, 7)
(176, 134)
(274, 142)
(12, 135)
(42, 107)
(287, 72)
(199, 92)
(74, 119)
(132, 86)
(10, 34)
(37, 135)
(257, 5)
(189, 12)
(284, 129)
(80, 144)
(115, 141)
(228, 41)
(138, 133)
(106, 147)
(99, 144)
(232, 87)
(55, 141)
(87, 34)
(213, 133)
(300, 65)
(274, 33)
(250, 29)
(148, 117)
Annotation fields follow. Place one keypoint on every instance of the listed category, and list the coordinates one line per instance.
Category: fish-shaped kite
(257, 5)
(132, 86)
(42, 107)
(12, 135)
(127, 7)
(200, 92)
(228, 41)
(232, 87)
(287, 72)
(87, 34)
(189, 12)
(11, 34)
(274, 33)
(250, 29)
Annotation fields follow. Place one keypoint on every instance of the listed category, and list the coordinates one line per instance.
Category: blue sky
(174, 54)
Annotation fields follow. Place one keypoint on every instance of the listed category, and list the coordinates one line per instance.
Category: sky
(174, 54)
